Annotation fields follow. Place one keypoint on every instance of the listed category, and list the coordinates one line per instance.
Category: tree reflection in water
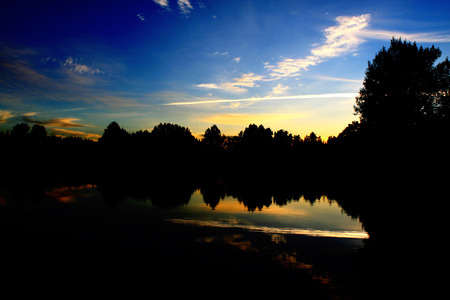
(220, 252)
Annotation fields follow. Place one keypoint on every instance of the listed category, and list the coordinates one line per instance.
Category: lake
(101, 235)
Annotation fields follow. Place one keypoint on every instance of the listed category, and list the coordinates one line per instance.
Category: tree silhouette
(256, 137)
(20, 131)
(282, 140)
(403, 87)
(114, 134)
(312, 138)
(169, 135)
(213, 138)
(38, 133)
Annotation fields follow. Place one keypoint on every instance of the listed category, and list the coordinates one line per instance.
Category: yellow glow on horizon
(240, 119)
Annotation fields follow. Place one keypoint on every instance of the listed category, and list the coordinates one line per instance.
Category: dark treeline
(168, 148)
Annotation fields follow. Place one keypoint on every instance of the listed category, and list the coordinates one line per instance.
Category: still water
(301, 240)
(322, 218)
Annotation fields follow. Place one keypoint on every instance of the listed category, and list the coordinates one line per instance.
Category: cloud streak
(4, 116)
(73, 133)
(427, 37)
(56, 122)
(254, 99)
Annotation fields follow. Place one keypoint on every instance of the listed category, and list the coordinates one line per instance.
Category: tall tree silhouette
(20, 131)
(256, 137)
(173, 136)
(312, 138)
(403, 87)
(114, 134)
(213, 138)
(38, 133)
(282, 140)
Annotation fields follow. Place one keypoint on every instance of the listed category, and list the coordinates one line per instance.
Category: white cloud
(185, 6)
(290, 67)
(221, 53)
(73, 65)
(141, 17)
(342, 38)
(209, 86)
(279, 89)
(238, 85)
(163, 3)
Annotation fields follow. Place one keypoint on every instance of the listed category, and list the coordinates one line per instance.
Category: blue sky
(75, 66)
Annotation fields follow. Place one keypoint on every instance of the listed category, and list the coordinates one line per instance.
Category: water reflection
(311, 214)
(230, 233)
(324, 217)
(70, 194)
(275, 230)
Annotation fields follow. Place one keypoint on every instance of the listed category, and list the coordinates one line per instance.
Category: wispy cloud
(25, 76)
(279, 89)
(76, 67)
(185, 6)
(237, 85)
(73, 133)
(313, 96)
(141, 17)
(340, 39)
(4, 115)
(426, 37)
(343, 38)
(290, 67)
(56, 122)
(163, 3)
(330, 78)
(225, 53)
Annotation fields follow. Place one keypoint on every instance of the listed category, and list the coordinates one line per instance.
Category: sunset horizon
(283, 64)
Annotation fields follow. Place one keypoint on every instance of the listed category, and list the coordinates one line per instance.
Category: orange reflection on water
(68, 194)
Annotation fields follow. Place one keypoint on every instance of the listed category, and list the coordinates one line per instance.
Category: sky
(76, 66)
